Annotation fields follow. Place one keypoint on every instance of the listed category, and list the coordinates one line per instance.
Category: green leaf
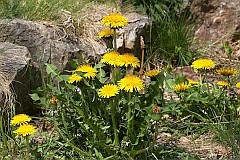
(103, 80)
(105, 127)
(98, 154)
(51, 69)
(34, 97)
(156, 117)
(161, 77)
(71, 87)
(196, 97)
(197, 115)
(170, 83)
(86, 126)
(54, 89)
(65, 77)
(43, 102)
(99, 65)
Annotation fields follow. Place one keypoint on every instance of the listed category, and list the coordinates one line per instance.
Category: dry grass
(90, 19)
(5, 91)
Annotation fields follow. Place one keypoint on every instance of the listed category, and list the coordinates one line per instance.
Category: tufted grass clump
(171, 32)
(38, 10)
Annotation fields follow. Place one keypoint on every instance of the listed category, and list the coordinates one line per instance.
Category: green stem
(87, 118)
(112, 76)
(79, 151)
(208, 89)
(28, 148)
(152, 144)
(117, 75)
(200, 79)
(65, 125)
(105, 113)
(4, 138)
(129, 116)
(115, 39)
(126, 71)
(114, 122)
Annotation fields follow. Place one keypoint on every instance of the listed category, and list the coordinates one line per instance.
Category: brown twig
(142, 60)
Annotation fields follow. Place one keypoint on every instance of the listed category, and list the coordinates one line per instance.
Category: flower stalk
(114, 122)
(152, 144)
(115, 39)
(129, 117)
(28, 148)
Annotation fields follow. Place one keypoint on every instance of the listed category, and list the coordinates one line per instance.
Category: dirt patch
(203, 146)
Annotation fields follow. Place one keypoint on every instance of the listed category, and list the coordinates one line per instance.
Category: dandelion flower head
(182, 87)
(128, 59)
(152, 73)
(74, 78)
(88, 70)
(192, 82)
(105, 33)
(20, 119)
(25, 130)
(130, 82)
(108, 90)
(238, 85)
(110, 58)
(114, 20)
(223, 83)
(227, 71)
(203, 64)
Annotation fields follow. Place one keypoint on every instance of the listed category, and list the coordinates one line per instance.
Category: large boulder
(13, 59)
(45, 42)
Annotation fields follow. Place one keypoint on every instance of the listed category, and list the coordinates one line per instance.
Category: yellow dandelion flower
(192, 82)
(152, 73)
(20, 119)
(227, 71)
(88, 70)
(110, 58)
(223, 83)
(182, 87)
(128, 59)
(105, 33)
(25, 130)
(130, 82)
(203, 64)
(114, 20)
(74, 78)
(108, 90)
(238, 85)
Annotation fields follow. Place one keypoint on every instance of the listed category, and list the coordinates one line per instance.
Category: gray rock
(129, 37)
(13, 59)
(44, 41)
